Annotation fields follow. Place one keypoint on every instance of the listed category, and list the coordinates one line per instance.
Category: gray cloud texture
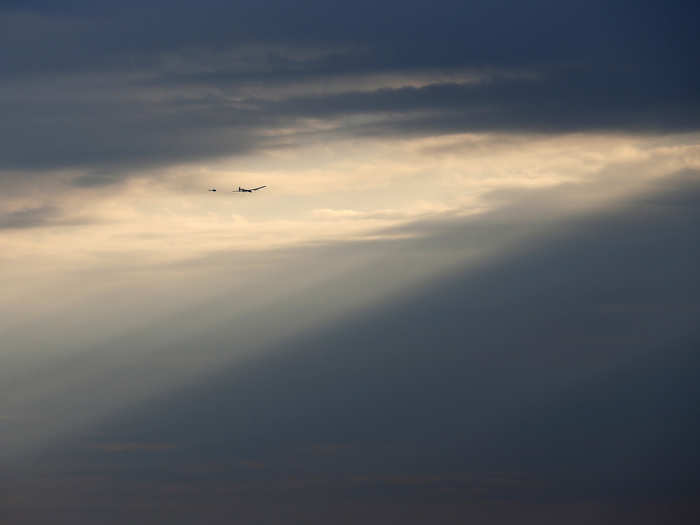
(104, 88)
(28, 217)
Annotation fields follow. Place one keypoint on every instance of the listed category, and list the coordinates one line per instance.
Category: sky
(468, 293)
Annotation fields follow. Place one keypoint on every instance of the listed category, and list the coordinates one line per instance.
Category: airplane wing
(259, 188)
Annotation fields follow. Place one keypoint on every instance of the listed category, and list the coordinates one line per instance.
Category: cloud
(38, 217)
(28, 217)
(522, 364)
(331, 449)
(96, 180)
(456, 268)
(378, 215)
(134, 447)
(254, 465)
(520, 361)
(109, 125)
(192, 84)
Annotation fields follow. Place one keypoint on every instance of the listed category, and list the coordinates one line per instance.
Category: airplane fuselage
(249, 190)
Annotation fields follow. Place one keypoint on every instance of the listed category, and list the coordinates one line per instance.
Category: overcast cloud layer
(107, 88)
(467, 293)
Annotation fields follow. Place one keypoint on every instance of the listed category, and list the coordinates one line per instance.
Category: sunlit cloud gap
(165, 214)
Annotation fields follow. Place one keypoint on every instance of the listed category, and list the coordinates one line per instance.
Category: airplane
(251, 190)
(212, 189)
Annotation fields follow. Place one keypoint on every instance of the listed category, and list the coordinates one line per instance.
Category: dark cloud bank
(107, 88)
(557, 384)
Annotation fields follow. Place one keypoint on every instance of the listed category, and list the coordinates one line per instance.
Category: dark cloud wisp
(29, 217)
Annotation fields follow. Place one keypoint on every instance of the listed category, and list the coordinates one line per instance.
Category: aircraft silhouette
(251, 190)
